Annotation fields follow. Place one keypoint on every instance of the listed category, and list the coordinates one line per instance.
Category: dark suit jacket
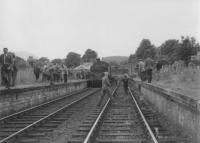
(8, 59)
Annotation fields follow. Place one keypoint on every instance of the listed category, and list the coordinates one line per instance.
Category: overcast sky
(52, 28)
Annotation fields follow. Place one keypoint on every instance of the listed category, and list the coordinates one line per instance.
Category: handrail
(143, 118)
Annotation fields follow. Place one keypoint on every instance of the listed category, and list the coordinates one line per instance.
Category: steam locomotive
(97, 71)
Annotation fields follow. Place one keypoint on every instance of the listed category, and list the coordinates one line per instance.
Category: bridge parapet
(180, 109)
(20, 98)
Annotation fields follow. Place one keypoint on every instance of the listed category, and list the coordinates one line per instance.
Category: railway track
(45, 117)
(123, 120)
(118, 121)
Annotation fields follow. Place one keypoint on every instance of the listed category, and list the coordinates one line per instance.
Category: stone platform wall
(180, 109)
(17, 99)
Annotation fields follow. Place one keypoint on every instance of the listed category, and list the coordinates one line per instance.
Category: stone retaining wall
(180, 109)
(17, 99)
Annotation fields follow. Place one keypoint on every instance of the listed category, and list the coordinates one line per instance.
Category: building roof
(84, 66)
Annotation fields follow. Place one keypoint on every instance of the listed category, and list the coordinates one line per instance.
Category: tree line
(171, 50)
(72, 59)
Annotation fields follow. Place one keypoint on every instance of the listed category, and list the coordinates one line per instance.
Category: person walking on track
(125, 83)
(6, 62)
(105, 88)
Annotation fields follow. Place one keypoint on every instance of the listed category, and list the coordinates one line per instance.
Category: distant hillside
(117, 59)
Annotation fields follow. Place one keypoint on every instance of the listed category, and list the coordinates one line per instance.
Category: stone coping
(172, 95)
(36, 87)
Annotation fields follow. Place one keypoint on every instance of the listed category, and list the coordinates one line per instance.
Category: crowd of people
(145, 69)
(148, 68)
(49, 72)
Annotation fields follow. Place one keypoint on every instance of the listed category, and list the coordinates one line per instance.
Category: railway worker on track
(6, 62)
(125, 83)
(105, 88)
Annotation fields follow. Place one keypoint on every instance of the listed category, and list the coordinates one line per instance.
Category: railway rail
(122, 120)
(163, 131)
(14, 126)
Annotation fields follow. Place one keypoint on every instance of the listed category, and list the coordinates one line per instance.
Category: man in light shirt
(105, 88)
(142, 73)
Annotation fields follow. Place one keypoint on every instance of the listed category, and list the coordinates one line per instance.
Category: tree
(132, 58)
(145, 49)
(57, 61)
(43, 60)
(173, 50)
(188, 47)
(89, 56)
(73, 59)
(169, 46)
(169, 50)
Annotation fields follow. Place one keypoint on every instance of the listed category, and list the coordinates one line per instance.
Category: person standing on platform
(125, 83)
(142, 72)
(37, 70)
(105, 88)
(6, 62)
(51, 69)
(14, 71)
(65, 76)
(64, 73)
(149, 68)
(158, 68)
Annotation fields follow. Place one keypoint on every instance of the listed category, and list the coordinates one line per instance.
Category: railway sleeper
(28, 140)
(120, 140)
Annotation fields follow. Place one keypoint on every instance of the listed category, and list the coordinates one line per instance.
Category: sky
(52, 28)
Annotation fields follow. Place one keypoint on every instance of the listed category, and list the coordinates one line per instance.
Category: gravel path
(63, 132)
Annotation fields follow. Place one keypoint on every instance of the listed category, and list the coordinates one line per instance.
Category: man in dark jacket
(149, 63)
(37, 71)
(15, 69)
(125, 83)
(6, 62)
(158, 68)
